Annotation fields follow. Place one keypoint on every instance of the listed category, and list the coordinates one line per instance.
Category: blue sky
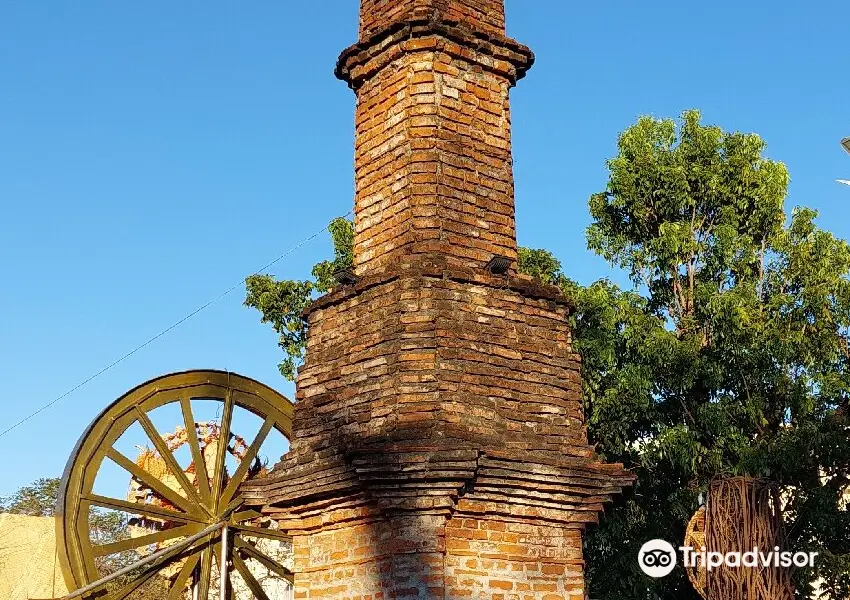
(153, 154)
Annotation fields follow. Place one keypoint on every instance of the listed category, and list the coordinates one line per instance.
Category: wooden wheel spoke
(152, 482)
(245, 515)
(168, 457)
(134, 585)
(207, 559)
(197, 457)
(245, 463)
(149, 572)
(250, 581)
(264, 559)
(178, 587)
(260, 532)
(145, 540)
(147, 510)
(223, 441)
(232, 506)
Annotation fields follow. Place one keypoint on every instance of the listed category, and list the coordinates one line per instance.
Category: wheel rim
(188, 507)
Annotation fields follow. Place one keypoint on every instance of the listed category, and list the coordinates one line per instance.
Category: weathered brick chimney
(433, 151)
(439, 447)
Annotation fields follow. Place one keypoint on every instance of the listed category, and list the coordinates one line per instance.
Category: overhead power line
(166, 330)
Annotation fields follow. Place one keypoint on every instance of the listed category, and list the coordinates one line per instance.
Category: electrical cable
(166, 330)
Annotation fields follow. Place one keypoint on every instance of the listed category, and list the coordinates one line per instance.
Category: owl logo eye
(657, 558)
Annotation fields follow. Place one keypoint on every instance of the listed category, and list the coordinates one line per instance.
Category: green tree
(281, 302)
(35, 500)
(728, 355)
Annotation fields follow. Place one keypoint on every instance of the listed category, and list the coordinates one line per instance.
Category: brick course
(439, 447)
(483, 15)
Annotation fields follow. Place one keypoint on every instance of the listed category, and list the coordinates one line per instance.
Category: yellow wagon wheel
(201, 521)
(695, 538)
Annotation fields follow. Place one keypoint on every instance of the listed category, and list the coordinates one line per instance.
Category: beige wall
(28, 565)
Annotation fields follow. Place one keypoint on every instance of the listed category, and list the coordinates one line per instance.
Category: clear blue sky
(153, 154)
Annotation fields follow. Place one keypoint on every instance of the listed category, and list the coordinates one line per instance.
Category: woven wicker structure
(743, 514)
(695, 538)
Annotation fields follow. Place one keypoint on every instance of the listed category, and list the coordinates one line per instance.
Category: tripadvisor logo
(658, 558)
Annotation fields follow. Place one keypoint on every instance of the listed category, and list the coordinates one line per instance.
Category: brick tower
(439, 448)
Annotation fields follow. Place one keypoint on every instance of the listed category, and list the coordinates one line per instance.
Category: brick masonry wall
(503, 560)
(483, 15)
(433, 160)
(466, 556)
(395, 558)
(446, 360)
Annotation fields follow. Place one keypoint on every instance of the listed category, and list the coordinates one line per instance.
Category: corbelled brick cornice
(493, 52)
(436, 267)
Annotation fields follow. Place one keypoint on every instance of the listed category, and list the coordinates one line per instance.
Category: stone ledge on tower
(431, 480)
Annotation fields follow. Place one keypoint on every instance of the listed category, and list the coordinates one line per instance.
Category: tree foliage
(282, 302)
(728, 355)
(540, 264)
(35, 500)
